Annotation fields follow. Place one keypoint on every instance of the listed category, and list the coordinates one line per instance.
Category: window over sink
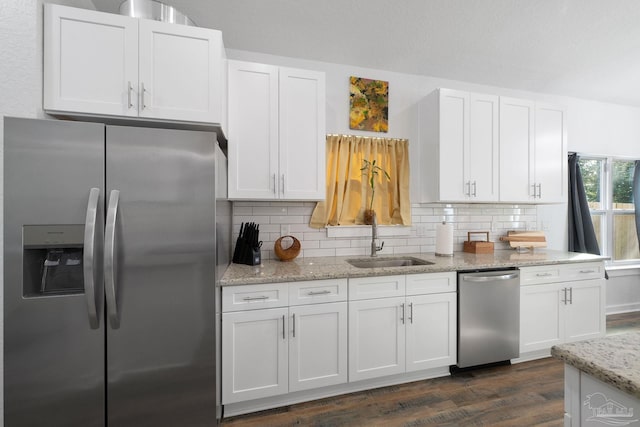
(349, 188)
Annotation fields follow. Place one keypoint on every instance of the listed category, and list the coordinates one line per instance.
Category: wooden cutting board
(528, 239)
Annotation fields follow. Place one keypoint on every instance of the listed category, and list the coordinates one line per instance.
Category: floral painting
(369, 104)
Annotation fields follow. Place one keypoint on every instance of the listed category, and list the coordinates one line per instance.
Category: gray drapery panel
(582, 237)
(636, 195)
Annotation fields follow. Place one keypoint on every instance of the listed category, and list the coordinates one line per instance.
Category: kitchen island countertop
(613, 360)
(271, 271)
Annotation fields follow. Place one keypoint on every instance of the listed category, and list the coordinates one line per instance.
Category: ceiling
(581, 48)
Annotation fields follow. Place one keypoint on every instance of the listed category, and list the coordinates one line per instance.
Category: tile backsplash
(281, 218)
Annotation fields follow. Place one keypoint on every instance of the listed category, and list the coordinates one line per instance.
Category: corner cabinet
(276, 133)
(561, 303)
(486, 148)
(101, 64)
(462, 128)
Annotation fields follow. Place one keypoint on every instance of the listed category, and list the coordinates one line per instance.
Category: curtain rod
(368, 137)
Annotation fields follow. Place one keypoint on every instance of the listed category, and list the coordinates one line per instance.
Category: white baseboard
(532, 355)
(240, 408)
(623, 308)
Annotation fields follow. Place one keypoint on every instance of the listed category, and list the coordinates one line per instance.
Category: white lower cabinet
(393, 335)
(317, 345)
(561, 304)
(376, 338)
(272, 351)
(585, 312)
(431, 331)
(540, 317)
(254, 354)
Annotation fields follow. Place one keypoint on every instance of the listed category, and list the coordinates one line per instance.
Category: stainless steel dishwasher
(488, 317)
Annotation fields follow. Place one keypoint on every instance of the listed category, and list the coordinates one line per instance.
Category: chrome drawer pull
(325, 292)
(587, 271)
(544, 274)
(255, 298)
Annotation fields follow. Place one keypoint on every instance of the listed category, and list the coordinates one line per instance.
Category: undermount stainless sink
(387, 262)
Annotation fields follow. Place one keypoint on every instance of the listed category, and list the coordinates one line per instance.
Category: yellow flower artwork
(369, 104)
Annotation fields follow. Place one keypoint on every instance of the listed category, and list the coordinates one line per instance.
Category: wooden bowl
(287, 254)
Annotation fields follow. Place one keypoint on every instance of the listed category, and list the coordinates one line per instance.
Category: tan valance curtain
(348, 192)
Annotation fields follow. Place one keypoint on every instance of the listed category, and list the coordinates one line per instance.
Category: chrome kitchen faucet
(374, 236)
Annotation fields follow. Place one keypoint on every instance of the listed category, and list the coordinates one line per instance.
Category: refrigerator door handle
(88, 262)
(109, 260)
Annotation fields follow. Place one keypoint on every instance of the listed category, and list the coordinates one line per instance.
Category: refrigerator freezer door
(161, 355)
(53, 348)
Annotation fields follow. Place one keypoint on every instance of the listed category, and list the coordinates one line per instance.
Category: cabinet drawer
(376, 287)
(253, 297)
(317, 291)
(431, 283)
(583, 271)
(540, 274)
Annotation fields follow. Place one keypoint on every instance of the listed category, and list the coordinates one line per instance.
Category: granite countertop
(613, 360)
(271, 271)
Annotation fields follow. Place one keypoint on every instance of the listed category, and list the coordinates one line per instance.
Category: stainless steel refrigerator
(109, 275)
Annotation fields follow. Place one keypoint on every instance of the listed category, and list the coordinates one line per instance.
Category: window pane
(597, 218)
(622, 184)
(591, 170)
(625, 240)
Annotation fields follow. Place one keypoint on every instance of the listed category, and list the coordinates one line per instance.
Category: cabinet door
(376, 338)
(516, 149)
(550, 154)
(585, 315)
(253, 131)
(302, 135)
(454, 145)
(431, 331)
(90, 62)
(317, 345)
(482, 177)
(541, 322)
(254, 354)
(180, 72)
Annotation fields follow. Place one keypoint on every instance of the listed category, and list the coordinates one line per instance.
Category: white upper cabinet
(180, 72)
(516, 149)
(100, 64)
(302, 134)
(550, 154)
(483, 152)
(459, 147)
(276, 133)
(486, 148)
(533, 141)
(90, 61)
(253, 130)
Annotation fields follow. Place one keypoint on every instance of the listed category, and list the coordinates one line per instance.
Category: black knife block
(247, 250)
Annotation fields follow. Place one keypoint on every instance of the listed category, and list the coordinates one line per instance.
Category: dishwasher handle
(507, 276)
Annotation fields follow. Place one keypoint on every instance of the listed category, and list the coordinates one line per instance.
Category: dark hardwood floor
(524, 394)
